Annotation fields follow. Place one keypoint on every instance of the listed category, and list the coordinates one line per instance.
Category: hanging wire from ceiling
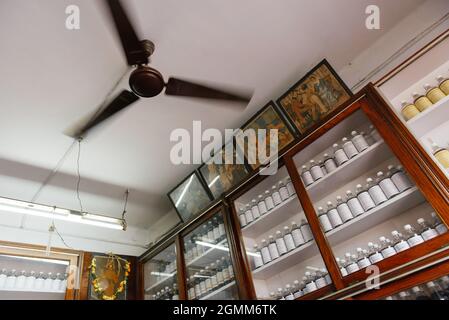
(78, 182)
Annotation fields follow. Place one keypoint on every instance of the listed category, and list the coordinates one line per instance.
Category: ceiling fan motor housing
(146, 82)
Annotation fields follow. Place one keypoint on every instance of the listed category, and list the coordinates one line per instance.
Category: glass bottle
(213, 277)
(339, 155)
(351, 265)
(375, 192)
(320, 280)
(369, 139)
(29, 282)
(289, 292)
(373, 254)
(298, 238)
(39, 282)
(441, 154)
(175, 295)
(333, 215)
(399, 178)
(309, 279)
(439, 226)
(11, 279)
(421, 101)
(306, 231)
(227, 276)
(248, 214)
(280, 294)
(56, 283)
(262, 205)
(341, 263)
(322, 166)
(404, 295)
(434, 93)
(276, 196)
(354, 204)
(324, 220)
(343, 210)
(216, 230)
(413, 238)
(315, 171)
(255, 209)
(210, 232)
(362, 259)
(269, 200)
(266, 256)
(409, 110)
(359, 141)
(48, 282)
(297, 290)
(280, 243)
(230, 267)
(197, 285)
(364, 198)
(387, 185)
(375, 134)
(257, 258)
(203, 284)
(283, 191)
(426, 231)
(3, 276)
(20, 281)
(242, 217)
(219, 271)
(349, 148)
(399, 242)
(329, 163)
(387, 249)
(418, 294)
(274, 252)
(436, 293)
(208, 279)
(290, 187)
(443, 84)
(306, 176)
(288, 238)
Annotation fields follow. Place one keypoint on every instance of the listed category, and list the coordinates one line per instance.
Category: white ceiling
(51, 77)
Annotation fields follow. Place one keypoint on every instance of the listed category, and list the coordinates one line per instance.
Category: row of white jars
(41, 282)
(267, 202)
(374, 194)
(348, 150)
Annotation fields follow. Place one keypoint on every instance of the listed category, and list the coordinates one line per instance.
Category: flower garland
(95, 282)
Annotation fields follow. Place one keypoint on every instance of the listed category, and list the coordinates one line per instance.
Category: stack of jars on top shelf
(387, 248)
(421, 102)
(45, 282)
(266, 202)
(211, 278)
(375, 193)
(167, 293)
(312, 281)
(286, 241)
(432, 290)
(349, 149)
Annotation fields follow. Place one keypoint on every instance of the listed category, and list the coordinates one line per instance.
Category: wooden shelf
(349, 171)
(402, 202)
(385, 211)
(274, 217)
(286, 261)
(209, 256)
(430, 119)
(220, 293)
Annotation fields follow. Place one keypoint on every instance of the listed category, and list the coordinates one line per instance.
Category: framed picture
(222, 177)
(313, 97)
(268, 118)
(190, 197)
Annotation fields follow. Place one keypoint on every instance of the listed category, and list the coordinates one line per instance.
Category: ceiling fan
(144, 80)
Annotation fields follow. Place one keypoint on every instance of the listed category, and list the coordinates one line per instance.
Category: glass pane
(419, 95)
(433, 290)
(284, 257)
(210, 274)
(160, 276)
(368, 206)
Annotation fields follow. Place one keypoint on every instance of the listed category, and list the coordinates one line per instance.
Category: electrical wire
(126, 204)
(79, 177)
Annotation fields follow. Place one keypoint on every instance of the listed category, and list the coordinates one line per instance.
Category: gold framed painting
(267, 118)
(314, 97)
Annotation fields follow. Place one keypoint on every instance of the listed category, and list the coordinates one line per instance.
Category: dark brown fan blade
(134, 51)
(123, 100)
(177, 87)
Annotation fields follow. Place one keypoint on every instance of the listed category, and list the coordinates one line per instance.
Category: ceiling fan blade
(135, 54)
(177, 87)
(123, 100)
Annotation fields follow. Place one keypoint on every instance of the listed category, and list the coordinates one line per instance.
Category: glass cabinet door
(368, 206)
(437, 289)
(209, 269)
(285, 261)
(160, 277)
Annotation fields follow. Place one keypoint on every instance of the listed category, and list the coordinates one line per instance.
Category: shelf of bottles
(432, 290)
(279, 244)
(32, 278)
(160, 277)
(367, 205)
(210, 273)
(419, 95)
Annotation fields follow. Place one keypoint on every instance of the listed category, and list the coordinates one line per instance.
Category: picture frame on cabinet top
(190, 197)
(311, 100)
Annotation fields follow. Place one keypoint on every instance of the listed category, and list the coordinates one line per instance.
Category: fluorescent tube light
(184, 191)
(24, 207)
(52, 261)
(162, 274)
(213, 181)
